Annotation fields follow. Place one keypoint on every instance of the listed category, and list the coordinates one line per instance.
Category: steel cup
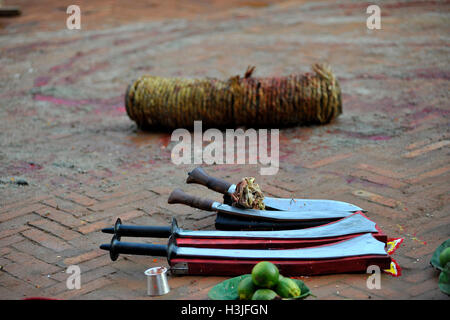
(157, 284)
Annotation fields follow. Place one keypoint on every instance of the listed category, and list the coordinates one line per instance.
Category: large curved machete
(178, 196)
(199, 176)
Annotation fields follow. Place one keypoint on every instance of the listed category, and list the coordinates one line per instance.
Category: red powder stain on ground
(66, 102)
(41, 81)
(22, 167)
(112, 110)
(165, 140)
(379, 138)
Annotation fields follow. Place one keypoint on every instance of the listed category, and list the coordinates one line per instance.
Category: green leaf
(304, 290)
(444, 280)
(435, 258)
(227, 290)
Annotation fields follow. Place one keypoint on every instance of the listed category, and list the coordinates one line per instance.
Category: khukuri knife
(178, 196)
(199, 176)
(351, 255)
(345, 228)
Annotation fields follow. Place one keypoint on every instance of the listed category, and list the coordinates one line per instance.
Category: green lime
(265, 274)
(444, 257)
(246, 288)
(264, 294)
(287, 288)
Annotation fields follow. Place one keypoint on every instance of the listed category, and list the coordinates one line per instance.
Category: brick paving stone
(80, 199)
(352, 293)
(121, 201)
(378, 179)
(16, 205)
(419, 276)
(427, 149)
(429, 174)
(59, 216)
(37, 251)
(100, 261)
(28, 260)
(381, 171)
(20, 212)
(18, 288)
(108, 214)
(67, 206)
(329, 160)
(84, 257)
(288, 186)
(19, 222)
(88, 228)
(10, 240)
(30, 276)
(433, 224)
(330, 290)
(85, 277)
(423, 287)
(9, 232)
(55, 229)
(278, 192)
(86, 288)
(95, 226)
(46, 240)
(372, 197)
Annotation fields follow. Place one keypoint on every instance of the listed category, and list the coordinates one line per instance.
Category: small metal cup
(157, 284)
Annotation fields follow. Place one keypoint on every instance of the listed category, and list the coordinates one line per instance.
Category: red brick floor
(65, 131)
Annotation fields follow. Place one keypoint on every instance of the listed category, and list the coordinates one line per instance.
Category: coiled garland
(298, 99)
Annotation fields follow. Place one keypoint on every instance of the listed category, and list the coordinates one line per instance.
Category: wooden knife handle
(199, 176)
(179, 196)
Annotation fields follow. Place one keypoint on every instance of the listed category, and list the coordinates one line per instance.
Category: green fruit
(265, 274)
(444, 277)
(246, 288)
(287, 288)
(264, 294)
(444, 257)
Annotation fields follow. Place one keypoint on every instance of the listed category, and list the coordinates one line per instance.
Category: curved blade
(356, 223)
(309, 205)
(287, 204)
(280, 215)
(362, 245)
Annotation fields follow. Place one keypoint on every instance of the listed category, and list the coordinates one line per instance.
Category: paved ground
(65, 132)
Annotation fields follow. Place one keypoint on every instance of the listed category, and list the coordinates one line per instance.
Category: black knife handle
(116, 247)
(179, 196)
(199, 176)
(142, 231)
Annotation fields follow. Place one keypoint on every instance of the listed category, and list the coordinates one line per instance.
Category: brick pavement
(64, 130)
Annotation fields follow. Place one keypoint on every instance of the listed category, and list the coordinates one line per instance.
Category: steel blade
(309, 205)
(353, 224)
(286, 204)
(362, 245)
(279, 215)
